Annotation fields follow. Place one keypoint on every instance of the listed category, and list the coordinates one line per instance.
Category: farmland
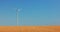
(29, 28)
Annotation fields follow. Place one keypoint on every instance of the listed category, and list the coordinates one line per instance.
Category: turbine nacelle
(18, 9)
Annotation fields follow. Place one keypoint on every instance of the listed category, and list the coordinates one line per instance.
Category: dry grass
(30, 29)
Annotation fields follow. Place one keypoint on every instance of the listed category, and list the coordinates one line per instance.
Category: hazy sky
(34, 12)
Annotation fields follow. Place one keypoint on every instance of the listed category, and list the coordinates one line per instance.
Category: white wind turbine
(17, 14)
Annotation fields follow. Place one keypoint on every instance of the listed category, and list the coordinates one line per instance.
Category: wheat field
(29, 28)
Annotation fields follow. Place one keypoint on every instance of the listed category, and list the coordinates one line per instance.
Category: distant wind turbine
(17, 14)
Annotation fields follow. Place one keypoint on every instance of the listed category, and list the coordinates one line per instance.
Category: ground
(29, 28)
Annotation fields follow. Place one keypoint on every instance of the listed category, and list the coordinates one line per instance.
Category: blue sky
(34, 12)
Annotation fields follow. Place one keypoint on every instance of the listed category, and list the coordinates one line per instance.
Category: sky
(33, 12)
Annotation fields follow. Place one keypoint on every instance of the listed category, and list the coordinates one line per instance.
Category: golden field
(29, 28)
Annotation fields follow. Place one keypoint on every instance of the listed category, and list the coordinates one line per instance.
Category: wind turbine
(17, 16)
